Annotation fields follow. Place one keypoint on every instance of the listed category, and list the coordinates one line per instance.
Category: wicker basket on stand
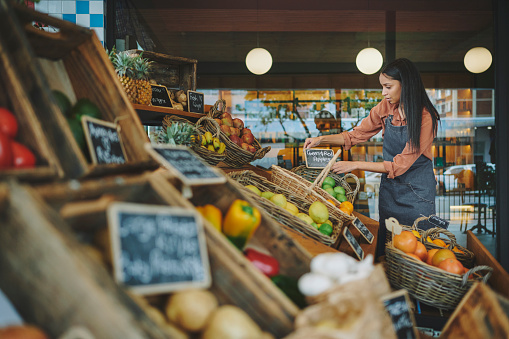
(311, 174)
(212, 158)
(236, 156)
(280, 214)
(429, 284)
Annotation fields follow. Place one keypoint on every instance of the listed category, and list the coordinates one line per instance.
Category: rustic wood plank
(499, 279)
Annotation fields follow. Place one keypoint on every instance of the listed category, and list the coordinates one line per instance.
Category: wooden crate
(482, 313)
(171, 71)
(234, 279)
(74, 61)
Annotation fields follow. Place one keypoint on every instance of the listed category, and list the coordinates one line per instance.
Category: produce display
(234, 129)
(13, 154)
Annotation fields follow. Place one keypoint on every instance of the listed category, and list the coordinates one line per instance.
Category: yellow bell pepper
(212, 214)
(240, 222)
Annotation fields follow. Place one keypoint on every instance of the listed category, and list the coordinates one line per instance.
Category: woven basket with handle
(280, 214)
(429, 284)
(236, 156)
(464, 255)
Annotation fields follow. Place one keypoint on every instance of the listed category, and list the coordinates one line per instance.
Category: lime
(339, 190)
(85, 107)
(329, 181)
(63, 102)
(325, 229)
(330, 191)
(341, 197)
(314, 225)
(324, 186)
(318, 212)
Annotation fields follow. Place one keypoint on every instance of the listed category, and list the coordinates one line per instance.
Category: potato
(178, 107)
(230, 322)
(191, 309)
(182, 97)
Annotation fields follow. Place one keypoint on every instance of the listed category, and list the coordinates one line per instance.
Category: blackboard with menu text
(353, 243)
(318, 158)
(195, 102)
(103, 141)
(397, 305)
(161, 96)
(158, 249)
(364, 231)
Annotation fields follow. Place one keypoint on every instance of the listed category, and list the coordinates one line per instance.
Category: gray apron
(408, 196)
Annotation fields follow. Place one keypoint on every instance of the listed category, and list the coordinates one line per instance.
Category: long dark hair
(413, 98)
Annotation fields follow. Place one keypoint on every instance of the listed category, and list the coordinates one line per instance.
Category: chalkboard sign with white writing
(196, 102)
(318, 158)
(103, 141)
(365, 232)
(158, 249)
(185, 164)
(353, 243)
(160, 96)
(439, 222)
(397, 305)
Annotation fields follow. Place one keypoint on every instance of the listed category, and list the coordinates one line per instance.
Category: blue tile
(69, 17)
(96, 20)
(82, 7)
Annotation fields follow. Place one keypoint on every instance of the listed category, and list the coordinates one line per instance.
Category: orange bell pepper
(212, 214)
(240, 222)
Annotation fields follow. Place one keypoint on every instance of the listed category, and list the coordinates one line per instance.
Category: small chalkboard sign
(318, 158)
(161, 96)
(439, 222)
(397, 305)
(363, 230)
(353, 243)
(185, 164)
(195, 102)
(103, 141)
(158, 249)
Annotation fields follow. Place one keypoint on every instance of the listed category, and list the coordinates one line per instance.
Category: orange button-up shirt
(375, 122)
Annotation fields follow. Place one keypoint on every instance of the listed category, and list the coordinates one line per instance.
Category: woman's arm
(329, 140)
(348, 166)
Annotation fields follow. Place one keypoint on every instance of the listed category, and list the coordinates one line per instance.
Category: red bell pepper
(267, 264)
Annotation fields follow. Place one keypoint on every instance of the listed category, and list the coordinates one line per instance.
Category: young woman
(408, 122)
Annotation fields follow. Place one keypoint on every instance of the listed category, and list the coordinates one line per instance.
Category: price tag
(160, 96)
(439, 222)
(318, 158)
(353, 243)
(392, 225)
(397, 305)
(195, 102)
(158, 249)
(363, 230)
(103, 141)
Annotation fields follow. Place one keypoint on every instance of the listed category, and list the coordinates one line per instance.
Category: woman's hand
(345, 166)
(312, 142)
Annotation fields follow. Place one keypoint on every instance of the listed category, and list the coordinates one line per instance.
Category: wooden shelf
(154, 115)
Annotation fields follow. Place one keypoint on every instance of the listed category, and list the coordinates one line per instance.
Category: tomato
(22, 156)
(8, 123)
(5, 151)
(22, 332)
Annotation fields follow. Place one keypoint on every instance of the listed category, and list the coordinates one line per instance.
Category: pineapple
(178, 133)
(141, 70)
(123, 63)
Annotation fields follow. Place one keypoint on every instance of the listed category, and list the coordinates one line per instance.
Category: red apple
(236, 139)
(218, 121)
(245, 146)
(252, 149)
(248, 138)
(234, 131)
(225, 129)
(238, 123)
(245, 130)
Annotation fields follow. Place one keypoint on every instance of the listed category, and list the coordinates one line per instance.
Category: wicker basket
(280, 214)
(212, 158)
(388, 234)
(428, 284)
(297, 184)
(311, 174)
(236, 156)
(466, 257)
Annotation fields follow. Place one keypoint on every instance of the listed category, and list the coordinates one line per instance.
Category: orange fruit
(345, 210)
(452, 266)
(417, 235)
(441, 255)
(431, 253)
(428, 239)
(347, 205)
(405, 241)
(421, 251)
(413, 256)
(457, 250)
(439, 242)
(332, 202)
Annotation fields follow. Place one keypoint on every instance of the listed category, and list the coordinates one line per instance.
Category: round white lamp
(258, 61)
(478, 60)
(369, 60)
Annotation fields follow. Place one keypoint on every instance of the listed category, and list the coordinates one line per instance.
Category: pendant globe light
(258, 60)
(477, 59)
(369, 60)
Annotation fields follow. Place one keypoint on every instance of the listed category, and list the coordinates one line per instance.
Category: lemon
(328, 222)
(305, 217)
(318, 212)
(329, 181)
(291, 208)
(253, 188)
(267, 195)
(279, 199)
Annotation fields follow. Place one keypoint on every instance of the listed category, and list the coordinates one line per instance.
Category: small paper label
(393, 225)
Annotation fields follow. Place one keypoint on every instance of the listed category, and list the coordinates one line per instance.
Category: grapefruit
(405, 241)
(452, 266)
(441, 255)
